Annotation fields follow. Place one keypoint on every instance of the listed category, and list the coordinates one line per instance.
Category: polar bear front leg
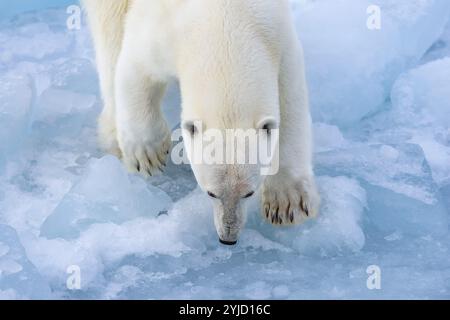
(290, 196)
(142, 131)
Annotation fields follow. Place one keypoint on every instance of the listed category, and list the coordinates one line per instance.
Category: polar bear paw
(145, 151)
(288, 201)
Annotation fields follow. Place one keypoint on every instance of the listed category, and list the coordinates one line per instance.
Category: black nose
(227, 243)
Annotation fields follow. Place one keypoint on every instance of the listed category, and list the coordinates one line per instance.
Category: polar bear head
(231, 139)
(228, 167)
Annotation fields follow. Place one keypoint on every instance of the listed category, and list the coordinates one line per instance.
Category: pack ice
(380, 100)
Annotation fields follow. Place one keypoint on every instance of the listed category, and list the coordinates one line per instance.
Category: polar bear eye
(212, 195)
(190, 127)
(248, 195)
(268, 124)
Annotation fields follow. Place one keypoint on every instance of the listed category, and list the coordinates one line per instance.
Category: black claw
(291, 217)
(138, 167)
(273, 219)
(161, 159)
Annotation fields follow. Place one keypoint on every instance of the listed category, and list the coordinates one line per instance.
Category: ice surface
(419, 115)
(422, 96)
(346, 86)
(343, 204)
(401, 193)
(8, 9)
(16, 97)
(384, 180)
(104, 194)
(424, 92)
(19, 279)
(441, 48)
(32, 42)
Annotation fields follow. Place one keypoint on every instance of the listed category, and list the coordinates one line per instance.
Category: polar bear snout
(229, 222)
(227, 243)
(229, 232)
(228, 235)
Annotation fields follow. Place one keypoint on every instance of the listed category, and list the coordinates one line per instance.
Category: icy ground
(381, 105)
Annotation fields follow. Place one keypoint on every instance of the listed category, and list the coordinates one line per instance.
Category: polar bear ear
(268, 124)
(190, 127)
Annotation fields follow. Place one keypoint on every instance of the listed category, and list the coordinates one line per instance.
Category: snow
(380, 100)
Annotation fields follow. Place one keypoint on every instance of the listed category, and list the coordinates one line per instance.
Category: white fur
(238, 62)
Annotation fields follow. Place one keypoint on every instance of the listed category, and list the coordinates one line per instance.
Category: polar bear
(239, 64)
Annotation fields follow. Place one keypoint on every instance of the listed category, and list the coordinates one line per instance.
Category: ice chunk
(421, 102)
(424, 92)
(19, 278)
(437, 154)
(441, 48)
(16, 99)
(32, 41)
(54, 103)
(350, 67)
(76, 75)
(19, 6)
(328, 137)
(401, 193)
(104, 194)
(419, 114)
